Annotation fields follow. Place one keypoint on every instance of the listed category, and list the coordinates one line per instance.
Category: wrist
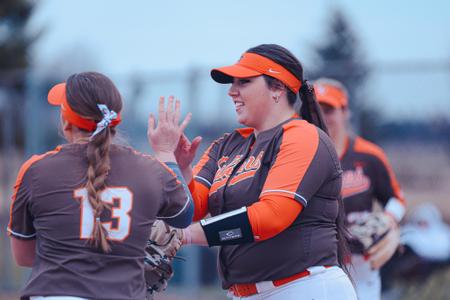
(187, 236)
(165, 156)
(187, 173)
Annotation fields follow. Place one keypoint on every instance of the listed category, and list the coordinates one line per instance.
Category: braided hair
(84, 91)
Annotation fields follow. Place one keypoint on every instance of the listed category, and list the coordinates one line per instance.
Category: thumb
(195, 143)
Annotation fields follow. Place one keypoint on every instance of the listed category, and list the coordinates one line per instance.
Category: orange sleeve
(271, 215)
(199, 193)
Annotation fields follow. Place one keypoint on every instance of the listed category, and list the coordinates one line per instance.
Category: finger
(151, 123)
(170, 109)
(195, 143)
(380, 244)
(161, 111)
(375, 248)
(176, 118)
(185, 122)
(184, 142)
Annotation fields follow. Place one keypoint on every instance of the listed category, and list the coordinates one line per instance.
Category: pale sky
(125, 37)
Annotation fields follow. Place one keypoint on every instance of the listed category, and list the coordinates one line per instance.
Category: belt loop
(264, 286)
(316, 270)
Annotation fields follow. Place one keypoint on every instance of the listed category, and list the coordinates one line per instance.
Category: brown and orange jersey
(368, 177)
(50, 205)
(293, 161)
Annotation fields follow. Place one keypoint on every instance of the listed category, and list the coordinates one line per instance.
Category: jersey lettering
(354, 182)
(121, 201)
(247, 170)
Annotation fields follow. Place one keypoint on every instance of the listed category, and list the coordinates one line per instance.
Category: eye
(243, 81)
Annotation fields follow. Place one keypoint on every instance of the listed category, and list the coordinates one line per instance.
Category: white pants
(56, 298)
(330, 284)
(367, 281)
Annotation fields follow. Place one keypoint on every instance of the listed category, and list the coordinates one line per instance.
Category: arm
(23, 251)
(388, 192)
(387, 188)
(267, 217)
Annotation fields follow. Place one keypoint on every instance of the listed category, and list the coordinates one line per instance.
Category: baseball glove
(367, 229)
(160, 251)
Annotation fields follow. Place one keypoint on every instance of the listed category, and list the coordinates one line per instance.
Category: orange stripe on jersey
(361, 145)
(203, 160)
(298, 147)
(23, 169)
(271, 215)
(200, 195)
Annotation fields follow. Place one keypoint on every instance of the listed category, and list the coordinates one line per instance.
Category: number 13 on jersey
(120, 210)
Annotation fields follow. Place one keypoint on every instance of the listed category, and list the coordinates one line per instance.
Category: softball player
(272, 188)
(367, 177)
(81, 214)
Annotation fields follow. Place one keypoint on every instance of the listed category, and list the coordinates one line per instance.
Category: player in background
(367, 178)
(272, 188)
(81, 214)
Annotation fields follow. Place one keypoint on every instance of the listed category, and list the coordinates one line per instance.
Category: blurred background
(393, 56)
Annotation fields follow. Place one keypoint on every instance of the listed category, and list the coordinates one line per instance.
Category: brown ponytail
(84, 92)
(310, 110)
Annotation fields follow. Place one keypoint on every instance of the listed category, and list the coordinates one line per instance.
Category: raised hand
(164, 135)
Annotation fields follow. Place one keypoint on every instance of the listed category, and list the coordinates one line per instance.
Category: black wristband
(230, 228)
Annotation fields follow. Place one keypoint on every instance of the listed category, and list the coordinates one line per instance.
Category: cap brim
(330, 102)
(226, 74)
(57, 94)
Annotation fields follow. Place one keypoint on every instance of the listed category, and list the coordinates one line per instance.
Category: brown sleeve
(21, 220)
(173, 196)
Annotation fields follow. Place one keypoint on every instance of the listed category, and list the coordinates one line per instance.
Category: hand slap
(164, 135)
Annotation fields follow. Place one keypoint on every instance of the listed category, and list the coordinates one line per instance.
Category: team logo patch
(232, 234)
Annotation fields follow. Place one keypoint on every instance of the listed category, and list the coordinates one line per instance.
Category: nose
(233, 91)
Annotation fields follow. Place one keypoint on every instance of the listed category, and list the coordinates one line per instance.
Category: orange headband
(251, 65)
(330, 94)
(57, 96)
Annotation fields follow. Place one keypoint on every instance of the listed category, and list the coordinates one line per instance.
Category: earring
(276, 98)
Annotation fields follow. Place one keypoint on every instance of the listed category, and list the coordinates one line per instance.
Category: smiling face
(252, 99)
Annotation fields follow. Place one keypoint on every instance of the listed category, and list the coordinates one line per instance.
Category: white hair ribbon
(108, 117)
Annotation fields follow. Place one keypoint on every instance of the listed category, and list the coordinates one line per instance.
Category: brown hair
(311, 112)
(84, 91)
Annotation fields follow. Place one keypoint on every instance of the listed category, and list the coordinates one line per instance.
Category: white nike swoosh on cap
(273, 71)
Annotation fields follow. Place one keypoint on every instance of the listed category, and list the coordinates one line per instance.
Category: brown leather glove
(167, 238)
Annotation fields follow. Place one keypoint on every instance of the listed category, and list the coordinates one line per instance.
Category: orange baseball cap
(330, 93)
(57, 96)
(252, 64)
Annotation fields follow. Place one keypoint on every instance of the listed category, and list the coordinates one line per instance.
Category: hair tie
(108, 117)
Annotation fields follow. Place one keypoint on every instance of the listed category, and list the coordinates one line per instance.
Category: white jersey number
(120, 211)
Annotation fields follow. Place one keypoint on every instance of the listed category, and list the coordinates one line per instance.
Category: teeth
(238, 104)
